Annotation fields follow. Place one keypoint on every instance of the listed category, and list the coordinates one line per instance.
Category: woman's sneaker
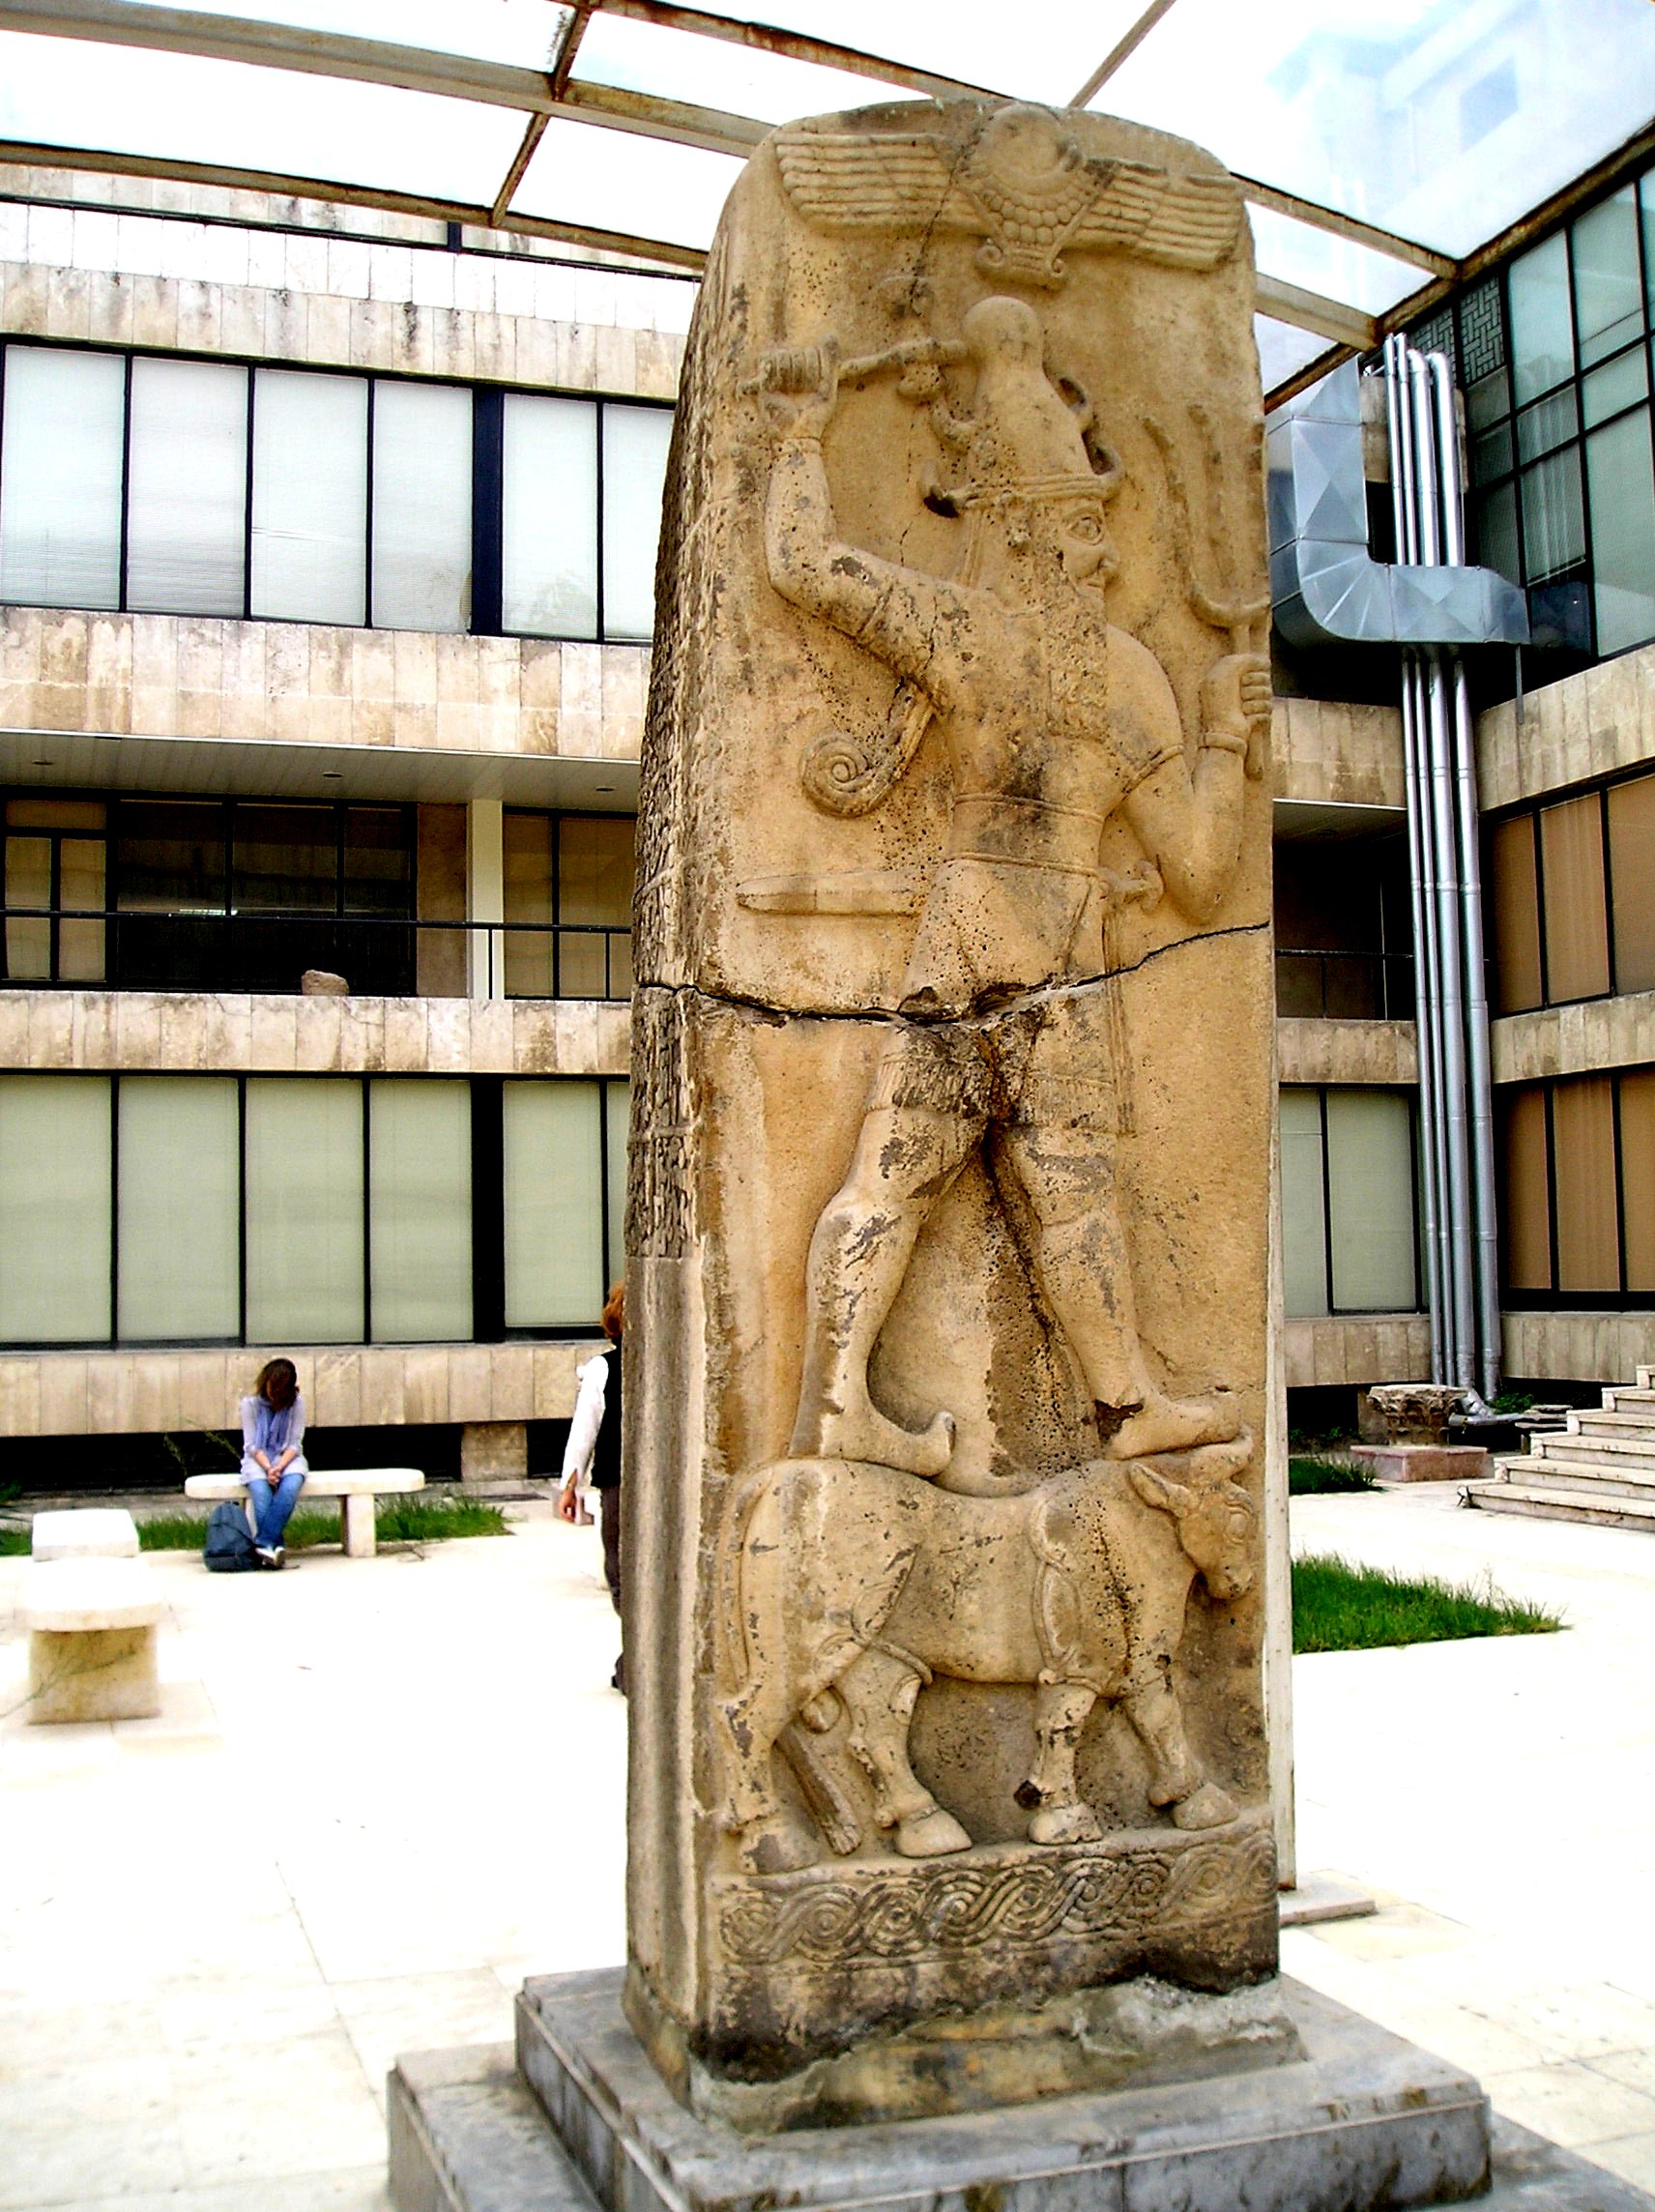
(270, 1554)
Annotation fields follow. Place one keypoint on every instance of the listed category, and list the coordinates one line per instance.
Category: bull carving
(849, 1586)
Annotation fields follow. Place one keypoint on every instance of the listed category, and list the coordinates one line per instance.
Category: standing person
(274, 1468)
(592, 1454)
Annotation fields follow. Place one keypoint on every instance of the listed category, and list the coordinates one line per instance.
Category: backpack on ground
(230, 1548)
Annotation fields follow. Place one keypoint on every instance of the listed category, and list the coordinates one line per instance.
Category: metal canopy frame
(540, 95)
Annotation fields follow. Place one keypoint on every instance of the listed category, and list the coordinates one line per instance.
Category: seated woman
(273, 1466)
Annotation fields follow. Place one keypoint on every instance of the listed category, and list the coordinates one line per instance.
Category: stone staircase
(1600, 1467)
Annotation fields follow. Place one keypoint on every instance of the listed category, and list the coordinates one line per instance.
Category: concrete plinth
(1362, 2120)
(1424, 1463)
(93, 1674)
(494, 1455)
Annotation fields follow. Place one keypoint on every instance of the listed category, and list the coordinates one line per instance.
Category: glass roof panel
(128, 100)
(1283, 349)
(677, 65)
(614, 180)
(1320, 262)
(1440, 120)
(1043, 50)
(521, 31)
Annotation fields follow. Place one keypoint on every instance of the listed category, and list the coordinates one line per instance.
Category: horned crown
(1021, 440)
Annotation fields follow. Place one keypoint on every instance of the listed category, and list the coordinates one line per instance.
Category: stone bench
(354, 1487)
(92, 1640)
(84, 1532)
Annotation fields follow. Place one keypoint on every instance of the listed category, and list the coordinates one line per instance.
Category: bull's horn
(1160, 1491)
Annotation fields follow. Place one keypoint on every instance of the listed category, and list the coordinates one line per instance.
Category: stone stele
(952, 1082)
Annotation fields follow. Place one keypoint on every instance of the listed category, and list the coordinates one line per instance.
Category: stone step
(1594, 1452)
(465, 2135)
(1605, 1507)
(1575, 1475)
(1643, 1377)
(1626, 1394)
(1567, 1443)
(1635, 1423)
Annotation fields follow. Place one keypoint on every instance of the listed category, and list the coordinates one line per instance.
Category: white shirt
(588, 1419)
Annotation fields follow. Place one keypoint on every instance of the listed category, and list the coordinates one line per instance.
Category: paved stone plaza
(380, 1793)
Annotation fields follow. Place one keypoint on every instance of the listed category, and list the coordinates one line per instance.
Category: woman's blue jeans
(273, 1510)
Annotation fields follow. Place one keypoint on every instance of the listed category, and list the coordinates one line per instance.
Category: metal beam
(1313, 311)
(647, 113)
(688, 258)
(1122, 48)
(1346, 226)
(794, 46)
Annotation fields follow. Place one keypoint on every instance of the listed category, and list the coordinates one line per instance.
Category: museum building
(327, 545)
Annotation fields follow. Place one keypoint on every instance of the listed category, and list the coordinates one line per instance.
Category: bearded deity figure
(1054, 722)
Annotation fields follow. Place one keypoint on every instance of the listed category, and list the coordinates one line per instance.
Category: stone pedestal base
(93, 1674)
(494, 1455)
(582, 2121)
(1424, 1463)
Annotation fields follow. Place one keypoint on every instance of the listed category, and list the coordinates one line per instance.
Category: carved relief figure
(1054, 721)
(856, 1592)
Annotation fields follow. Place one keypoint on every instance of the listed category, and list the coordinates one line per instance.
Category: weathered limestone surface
(951, 1088)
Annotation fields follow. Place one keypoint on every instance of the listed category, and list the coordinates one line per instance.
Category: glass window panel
(28, 884)
(554, 1204)
(1370, 1197)
(187, 497)
(612, 181)
(548, 553)
(379, 861)
(1516, 901)
(179, 1245)
(617, 1107)
(421, 505)
(1638, 1179)
(1577, 927)
(1542, 329)
(1609, 283)
(635, 441)
(80, 891)
(595, 894)
(1620, 483)
(309, 543)
(1553, 518)
(642, 57)
(60, 477)
(1528, 1193)
(1618, 385)
(1583, 1161)
(1496, 532)
(1647, 208)
(304, 1210)
(285, 858)
(55, 813)
(1631, 882)
(1304, 1213)
(170, 853)
(1492, 453)
(420, 1211)
(1487, 400)
(1541, 428)
(527, 841)
(54, 1210)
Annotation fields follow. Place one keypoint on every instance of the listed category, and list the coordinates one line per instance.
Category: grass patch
(13, 1543)
(1324, 1478)
(1338, 1607)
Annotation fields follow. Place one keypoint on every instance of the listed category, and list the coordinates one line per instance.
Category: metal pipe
(1479, 1067)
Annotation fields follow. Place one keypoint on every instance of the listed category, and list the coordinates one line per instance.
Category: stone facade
(1591, 724)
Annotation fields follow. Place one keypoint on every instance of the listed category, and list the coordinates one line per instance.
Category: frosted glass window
(28, 884)
(635, 441)
(1588, 1206)
(1553, 517)
(1527, 1227)
(1577, 923)
(54, 1210)
(1620, 484)
(1632, 880)
(186, 498)
(1369, 1201)
(304, 1210)
(310, 496)
(554, 1204)
(60, 477)
(1542, 331)
(1516, 902)
(1609, 283)
(1304, 1217)
(548, 553)
(527, 847)
(422, 507)
(617, 1106)
(80, 891)
(1638, 1179)
(178, 1270)
(418, 1211)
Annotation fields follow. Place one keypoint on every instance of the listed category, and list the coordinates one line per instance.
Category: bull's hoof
(931, 1835)
(778, 1845)
(863, 1433)
(1206, 1807)
(1075, 1823)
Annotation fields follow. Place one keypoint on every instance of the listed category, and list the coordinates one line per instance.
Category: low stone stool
(1424, 1463)
(92, 1640)
(85, 1532)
